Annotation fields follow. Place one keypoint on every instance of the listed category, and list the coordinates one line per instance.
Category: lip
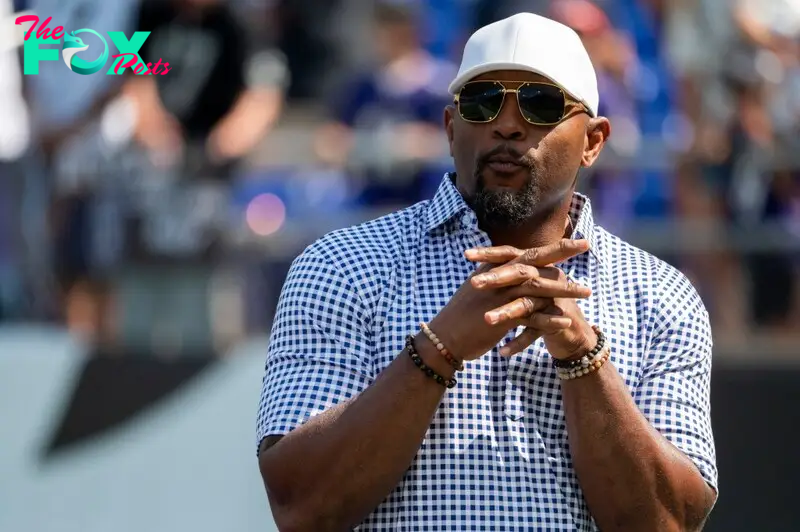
(503, 158)
(504, 165)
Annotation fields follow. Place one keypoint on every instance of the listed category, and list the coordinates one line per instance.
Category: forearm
(632, 477)
(331, 472)
(756, 33)
(254, 114)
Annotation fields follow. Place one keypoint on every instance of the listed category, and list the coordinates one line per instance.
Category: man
(62, 170)
(198, 119)
(221, 94)
(385, 124)
(353, 433)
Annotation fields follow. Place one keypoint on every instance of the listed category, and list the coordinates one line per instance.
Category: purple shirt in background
(614, 192)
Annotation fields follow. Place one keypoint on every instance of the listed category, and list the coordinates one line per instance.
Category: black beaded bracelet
(412, 352)
(585, 359)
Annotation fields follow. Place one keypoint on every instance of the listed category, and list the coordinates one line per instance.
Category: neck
(546, 228)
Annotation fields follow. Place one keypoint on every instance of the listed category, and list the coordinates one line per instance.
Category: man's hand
(557, 319)
(522, 293)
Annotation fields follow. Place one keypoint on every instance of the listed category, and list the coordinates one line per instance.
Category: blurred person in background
(197, 124)
(61, 173)
(658, 122)
(224, 90)
(613, 191)
(767, 189)
(14, 144)
(384, 125)
(700, 36)
(736, 62)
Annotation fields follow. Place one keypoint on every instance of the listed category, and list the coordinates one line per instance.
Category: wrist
(583, 357)
(432, 357)
(448, 340)
(587, 347)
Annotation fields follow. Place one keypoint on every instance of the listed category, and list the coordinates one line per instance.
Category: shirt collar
(448, 203)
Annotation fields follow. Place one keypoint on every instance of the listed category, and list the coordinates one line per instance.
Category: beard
(500, 209)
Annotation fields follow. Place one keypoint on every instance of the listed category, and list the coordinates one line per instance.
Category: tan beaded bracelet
(588, 366)
(457, 364)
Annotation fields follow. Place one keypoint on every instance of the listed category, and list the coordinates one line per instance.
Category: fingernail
(505, 351)
(492, 317)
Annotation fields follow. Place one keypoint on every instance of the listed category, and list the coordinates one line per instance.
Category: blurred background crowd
(159, 214)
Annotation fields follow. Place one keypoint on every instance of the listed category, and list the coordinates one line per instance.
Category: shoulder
(662, 292)
(366, 254)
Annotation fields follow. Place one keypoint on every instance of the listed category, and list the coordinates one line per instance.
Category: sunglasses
(540, 104)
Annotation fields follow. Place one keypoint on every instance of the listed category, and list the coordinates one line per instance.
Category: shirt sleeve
(319, 349)
(674, 392)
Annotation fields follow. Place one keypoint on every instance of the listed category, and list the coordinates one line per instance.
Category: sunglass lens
(480, 101)
(541, 104)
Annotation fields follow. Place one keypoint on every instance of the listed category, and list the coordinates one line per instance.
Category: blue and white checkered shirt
(496, 455)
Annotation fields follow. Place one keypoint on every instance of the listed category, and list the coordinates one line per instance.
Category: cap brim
(475, 71)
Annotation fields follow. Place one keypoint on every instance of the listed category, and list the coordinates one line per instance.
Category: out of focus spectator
(613, 191)
(198, 123)
(60, 174)
(737, 62)
(386, 123)
(14, 140)
(223, 92)
(222, 95)
(770, 110)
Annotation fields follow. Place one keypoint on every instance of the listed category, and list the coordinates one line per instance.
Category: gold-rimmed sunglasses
(540, 103)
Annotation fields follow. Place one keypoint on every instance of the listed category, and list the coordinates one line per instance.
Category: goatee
(504, 208)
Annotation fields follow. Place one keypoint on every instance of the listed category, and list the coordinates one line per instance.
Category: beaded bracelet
(412, 352)
(591, 366)
(585, 360)
(457, 364)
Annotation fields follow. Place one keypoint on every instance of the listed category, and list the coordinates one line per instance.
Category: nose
(509, 124)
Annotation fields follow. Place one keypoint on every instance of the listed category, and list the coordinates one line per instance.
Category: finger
(531, 281)
(493, 255)
(554, 253)
(507, 275)
(552, 288)
(520, 308)
(540, 256)
(520, 343)
(549, 323)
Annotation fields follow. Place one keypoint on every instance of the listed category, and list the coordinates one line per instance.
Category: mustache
(502, 149)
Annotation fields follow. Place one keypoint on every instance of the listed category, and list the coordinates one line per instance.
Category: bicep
(319, 353)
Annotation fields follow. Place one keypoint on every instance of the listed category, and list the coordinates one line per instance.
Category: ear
(598, 130)
(449, 117)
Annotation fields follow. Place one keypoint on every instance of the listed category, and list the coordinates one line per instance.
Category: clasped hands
(512, 288)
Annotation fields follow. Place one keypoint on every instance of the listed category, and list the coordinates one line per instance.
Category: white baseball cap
(530, 42)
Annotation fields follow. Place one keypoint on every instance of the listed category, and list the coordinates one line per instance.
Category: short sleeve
(674, 391)
(319, 351)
